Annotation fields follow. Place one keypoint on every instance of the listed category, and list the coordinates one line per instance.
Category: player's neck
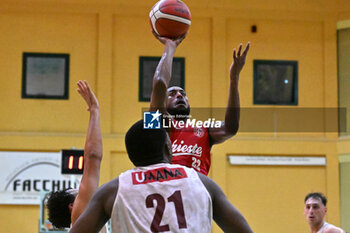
(158, 164)
(317, 227)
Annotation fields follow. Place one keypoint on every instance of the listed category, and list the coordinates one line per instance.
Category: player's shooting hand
(180, 39)
(160, 38)
(238, 61)
(88, 95)
(167, 41)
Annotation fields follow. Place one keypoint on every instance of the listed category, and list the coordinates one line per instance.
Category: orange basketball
(170, 18)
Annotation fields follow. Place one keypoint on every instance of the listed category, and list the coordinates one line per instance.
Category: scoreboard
(72, 162)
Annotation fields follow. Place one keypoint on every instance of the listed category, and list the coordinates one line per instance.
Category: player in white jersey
(157, 196)
(166, 194)
(315, 211)
(65, 206)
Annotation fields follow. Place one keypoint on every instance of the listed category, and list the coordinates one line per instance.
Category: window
(344, 77)
(45, 75)
(275, 82)
(147, 68)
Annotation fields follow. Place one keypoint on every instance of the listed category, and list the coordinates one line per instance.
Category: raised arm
(92, 152)
(231, 124)
(99, 209)
(162, 74)
(228, 218)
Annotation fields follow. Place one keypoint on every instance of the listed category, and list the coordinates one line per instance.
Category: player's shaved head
(145, 146)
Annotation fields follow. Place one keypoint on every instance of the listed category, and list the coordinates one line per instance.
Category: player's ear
(70, 207)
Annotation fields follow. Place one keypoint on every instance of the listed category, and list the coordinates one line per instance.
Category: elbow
(159, 81)
(160, 85)
(232, 131)
(95, 155)
(230, 134)
(93, 152)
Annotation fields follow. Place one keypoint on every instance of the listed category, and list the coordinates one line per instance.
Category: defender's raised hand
(87, 94)
(238, 61)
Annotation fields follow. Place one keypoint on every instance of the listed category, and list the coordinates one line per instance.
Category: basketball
(170, 18)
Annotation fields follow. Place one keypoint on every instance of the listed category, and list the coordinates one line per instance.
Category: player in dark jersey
(191, 144)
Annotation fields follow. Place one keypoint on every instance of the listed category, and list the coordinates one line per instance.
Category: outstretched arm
(162, 74)
(228, 218)
(92, 152)
(231, 124)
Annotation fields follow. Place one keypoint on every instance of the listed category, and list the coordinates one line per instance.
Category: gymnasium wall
(344, 101)
(105, 39)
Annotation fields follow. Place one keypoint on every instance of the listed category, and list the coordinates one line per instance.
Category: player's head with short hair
(177, 103)
(318, 196)
(145, 146)
(315, 209)
(58, 206)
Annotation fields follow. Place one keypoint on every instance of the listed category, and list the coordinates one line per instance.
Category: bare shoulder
(206, 181)
(213, 189)
(110, 188)
(333, 229)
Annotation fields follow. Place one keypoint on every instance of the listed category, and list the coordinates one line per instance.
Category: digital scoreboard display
(72, 162)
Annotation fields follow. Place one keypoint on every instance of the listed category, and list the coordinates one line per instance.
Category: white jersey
(161, 198)
(325, 225)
